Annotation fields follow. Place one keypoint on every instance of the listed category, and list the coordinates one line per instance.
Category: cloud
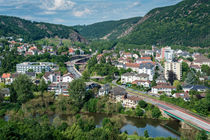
(81, 13)
(52, 5)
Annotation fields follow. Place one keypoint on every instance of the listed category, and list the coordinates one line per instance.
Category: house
(147, 68)
(71, 51)
(130, 101)
(127, 55)
(133, 66)
(199, 88)
(131, 77)
(119, 65)
(135, 56)
(5, 92)
(196, 67)
(201, 60)
(142, 83)
(68, 78)
(53, 77)
(117, 93)
(143, 59)
(186, 61)
(184, 96)
(161, 79)
(104, 90)
(6, 78)
(59, 88)
(163, 89)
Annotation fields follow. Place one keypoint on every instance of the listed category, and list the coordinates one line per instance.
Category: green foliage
(156, 113)
(78, 93)
(146, 134)
(139, 111)
(28, 30)
(101, 29)
(205, 69)
(190, 78)
(22, 89)
(174, 25)
(91, 105)
(201, 136)
(142, 104)
(171, 77)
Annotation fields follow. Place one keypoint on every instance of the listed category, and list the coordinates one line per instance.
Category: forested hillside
(17, 27)
(106, 30)
(186, 23)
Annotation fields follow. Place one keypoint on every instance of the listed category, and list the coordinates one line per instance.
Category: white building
(131, 77)
(147, 68)
(68, 78)
(37, 67)
(163, 89)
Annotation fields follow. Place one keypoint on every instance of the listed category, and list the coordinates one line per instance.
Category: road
(171, 109)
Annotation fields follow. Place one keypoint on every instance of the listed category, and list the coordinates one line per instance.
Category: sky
(79, 12)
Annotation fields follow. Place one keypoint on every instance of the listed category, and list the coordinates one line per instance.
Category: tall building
(176, 67)
(167, 54)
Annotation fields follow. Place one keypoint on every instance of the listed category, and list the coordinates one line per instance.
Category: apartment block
(36, 67)
(176, 67)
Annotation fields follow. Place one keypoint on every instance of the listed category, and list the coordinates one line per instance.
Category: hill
(106, 30)
(186, 23)
(29, 30)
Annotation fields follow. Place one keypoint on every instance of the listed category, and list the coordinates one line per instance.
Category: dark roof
(195, 87)
(146, 65)
(119, 91)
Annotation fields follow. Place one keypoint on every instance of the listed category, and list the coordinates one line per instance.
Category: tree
(77, 92)
(190, 78)
(139, 111)
(153, 83)
(205, 69)
(77, 52)
(171, 77)
(23, 88)
(142, 104)
(146, 134)
(156, 113)
(103, 60)
(86, 75)
(177, 84)
(201, 135)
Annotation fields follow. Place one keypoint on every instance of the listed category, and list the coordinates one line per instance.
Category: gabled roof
(133, 65)
(119, 91)
(6, 75)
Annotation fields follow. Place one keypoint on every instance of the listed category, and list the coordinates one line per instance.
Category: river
(155, 128)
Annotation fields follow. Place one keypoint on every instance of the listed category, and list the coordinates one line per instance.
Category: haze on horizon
(79, 12)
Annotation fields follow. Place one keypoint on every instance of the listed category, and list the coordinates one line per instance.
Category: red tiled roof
(132, 65)
(6, 75)
(147, 58)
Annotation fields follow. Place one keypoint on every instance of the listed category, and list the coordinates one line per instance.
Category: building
(147, 68)
(36, 67)
(117, 93)
(52, 77)
(67, 78)
(161, 79)
(133, 66)
(159, 89)
(142, 83)
(184, 96)
(199, 88)
(104, 90)
(167, 54)
(59, 88)
(130, 101)
(176, 67)
(144, 59)
(131, 77)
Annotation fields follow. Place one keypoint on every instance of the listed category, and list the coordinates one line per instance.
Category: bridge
(80, 59)
(178, 113)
